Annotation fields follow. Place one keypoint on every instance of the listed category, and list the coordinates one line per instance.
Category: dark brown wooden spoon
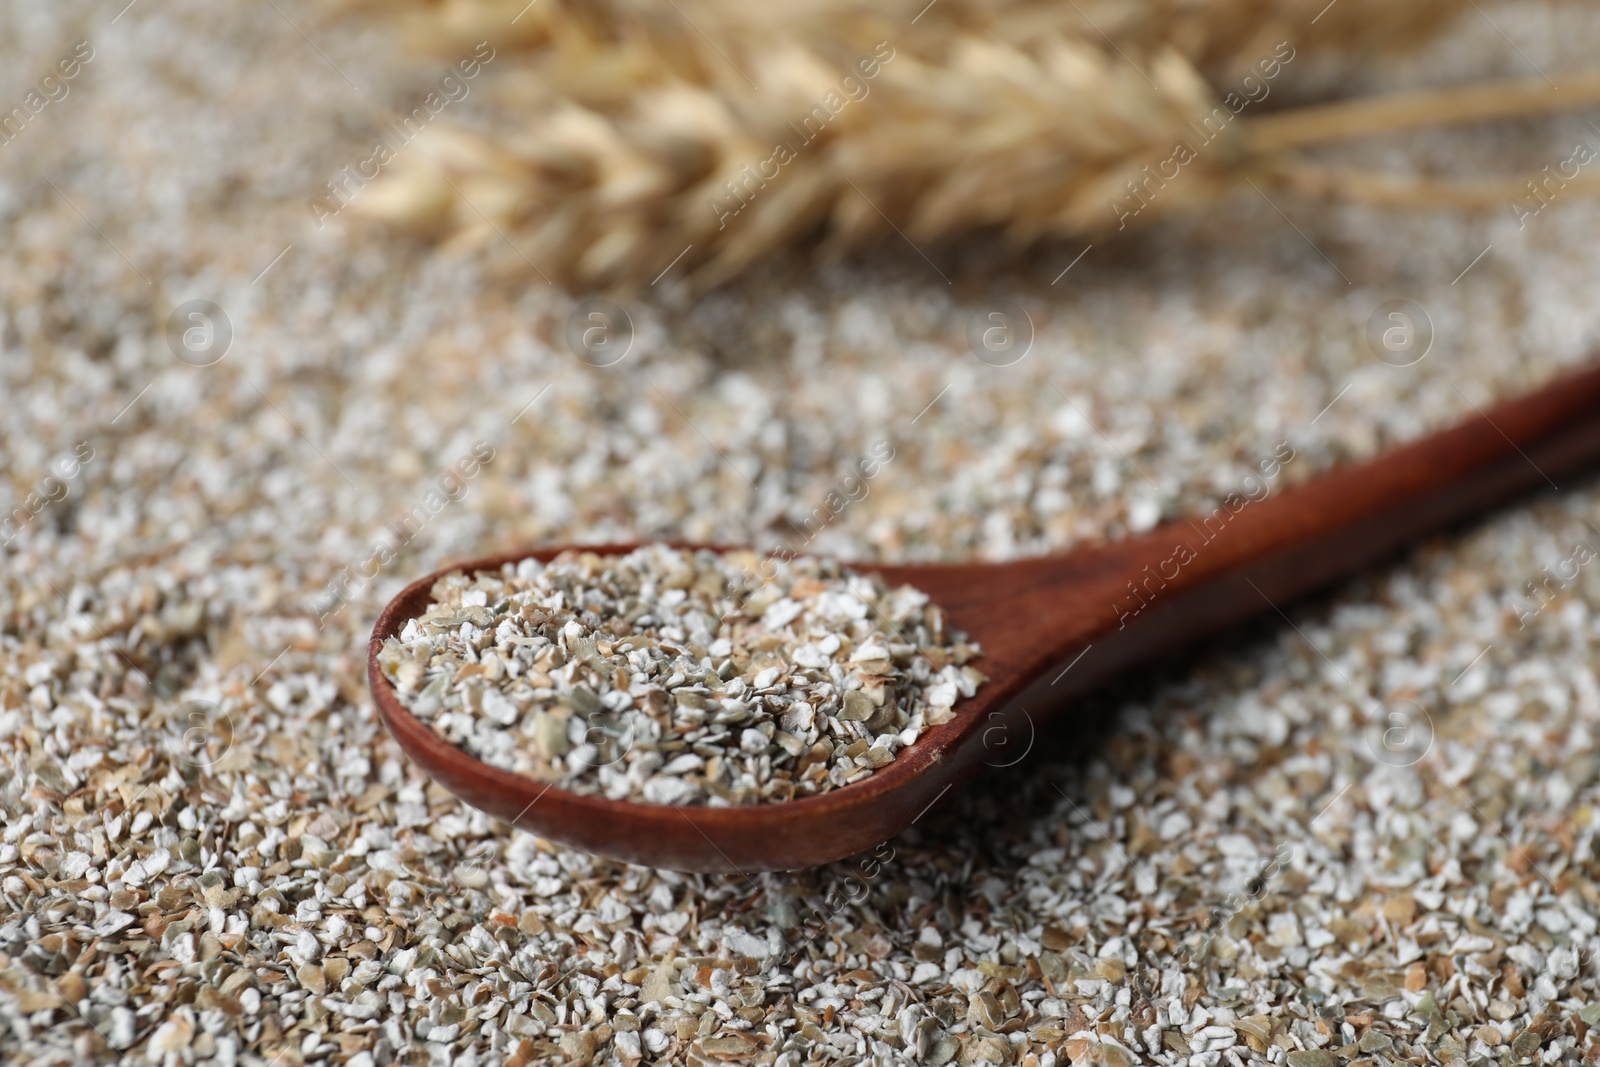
(1050, 629)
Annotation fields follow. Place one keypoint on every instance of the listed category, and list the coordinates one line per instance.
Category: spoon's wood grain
(1034, 618)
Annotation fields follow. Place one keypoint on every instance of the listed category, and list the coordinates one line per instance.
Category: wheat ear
(702, 136)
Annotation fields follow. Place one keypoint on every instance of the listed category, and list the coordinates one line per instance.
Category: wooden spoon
(1050, 629)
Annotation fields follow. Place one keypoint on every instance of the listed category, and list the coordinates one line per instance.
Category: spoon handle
(1106, 608)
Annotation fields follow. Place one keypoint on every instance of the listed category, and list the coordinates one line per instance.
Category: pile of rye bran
(1364, 839)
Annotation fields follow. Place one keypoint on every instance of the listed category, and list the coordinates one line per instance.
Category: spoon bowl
(1050, 629)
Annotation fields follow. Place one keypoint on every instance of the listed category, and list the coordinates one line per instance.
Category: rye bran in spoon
(681, 677)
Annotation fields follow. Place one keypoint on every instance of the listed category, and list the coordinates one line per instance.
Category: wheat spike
(728, 130)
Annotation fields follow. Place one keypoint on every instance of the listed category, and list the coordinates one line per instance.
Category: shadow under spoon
(1050, 629)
